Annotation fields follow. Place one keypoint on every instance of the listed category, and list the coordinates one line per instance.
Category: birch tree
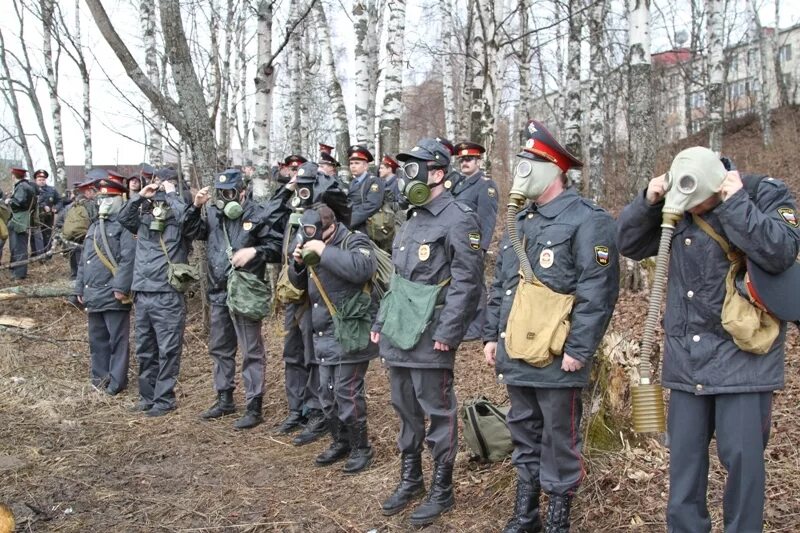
(51, 76)
(597, 15)
(449, 46)
(641, 129)
(393, 79)
(783, 93)
(363, 115)
(10, 96)
(264, 83)
(715, 94)
(341, 127)
(764, 87)
(572, 118)
(374, 21)
(224, 144)
(523, 56)
(470, 66)
(294, 68)
(155, 144)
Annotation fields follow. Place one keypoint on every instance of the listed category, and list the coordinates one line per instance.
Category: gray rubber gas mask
(108, 205)
(696, 174)
(228, 202)
(532, 178)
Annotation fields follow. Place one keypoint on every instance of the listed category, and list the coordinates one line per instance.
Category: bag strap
(164, 249)
(101, 256)
(730, 252)
(322, 291)
(229, 248)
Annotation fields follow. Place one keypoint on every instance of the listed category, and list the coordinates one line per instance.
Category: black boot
(223, 406)
(410, 487)
(558, 514)
(360, 450)
(291, 423)
(439, 499)
(340, 446)
(526, 509)
(252, 415)
(316, 427)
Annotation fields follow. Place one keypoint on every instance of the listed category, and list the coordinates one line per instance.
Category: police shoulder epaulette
(464, 207)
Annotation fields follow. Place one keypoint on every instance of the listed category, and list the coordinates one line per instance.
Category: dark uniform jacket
(260, 226)
(450, 232)
(24, 197)
(48, 196)
(699, 355)
(480, 193)
(581, 237)
(94, 281)
(366, 197)
(343, 272)
(150, 270)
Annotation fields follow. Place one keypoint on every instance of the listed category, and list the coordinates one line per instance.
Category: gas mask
(696, 174)
(161, 212)
(303, 195)
(311, 228)
(228, 202)
(413, 182)
(532, 178)
(108, 205)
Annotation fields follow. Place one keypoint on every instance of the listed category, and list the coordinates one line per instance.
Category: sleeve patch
(373, 187)
(474, 240)
(788, 215)
(364, 251)
(492, 192)
(601, 255)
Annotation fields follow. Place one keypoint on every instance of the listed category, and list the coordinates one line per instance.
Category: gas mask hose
(647, 399)
(515, 203)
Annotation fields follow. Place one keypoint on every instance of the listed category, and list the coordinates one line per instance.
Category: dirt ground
(74, 459)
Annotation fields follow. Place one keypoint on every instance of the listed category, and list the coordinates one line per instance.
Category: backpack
(76, 222)
(485, 429)
(383, 225)
(383, 275)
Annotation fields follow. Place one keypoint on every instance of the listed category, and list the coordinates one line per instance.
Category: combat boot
(411, 485)
(439, 499)
(526, 509)
(252, 415)
(291, 423)
(223, 406)
(316, 427)
(360, 449)
(558, 514)
(340, 446)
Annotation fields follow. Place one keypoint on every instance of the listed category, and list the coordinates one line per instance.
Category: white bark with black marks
(393, 78)
(715, 98)
(450, 49)
(641, 127)
(10, 96)
(363, 115)
(341, 127)
(572, 118)
(764, 114)
(51, 75)
(264, 83)
(155, 143)
(597, 97)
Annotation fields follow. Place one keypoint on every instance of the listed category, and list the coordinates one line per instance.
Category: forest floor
(75, 460)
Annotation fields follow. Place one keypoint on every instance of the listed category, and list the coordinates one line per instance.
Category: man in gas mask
(365, 192)
(156, 217)
(301, 378)
(721, 383)
(103, 286)
(241, 234)
(542, 330)
(478, 191)
(439, 266)
(335, 265)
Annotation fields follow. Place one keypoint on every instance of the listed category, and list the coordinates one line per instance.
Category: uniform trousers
(545, 429)
(160, 318)
(109, 342)
(741, 423)
(226, 332)
(418, 393)
(301, 373)
(37, 241)
(18, 245)
(342, 392)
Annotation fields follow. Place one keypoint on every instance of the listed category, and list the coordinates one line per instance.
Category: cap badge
(301, 172)
(532, 128)
(223, 178)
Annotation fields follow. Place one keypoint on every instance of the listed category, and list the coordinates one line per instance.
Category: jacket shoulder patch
(788, 215)
(474, 240)
(373, 187)
(601, 255)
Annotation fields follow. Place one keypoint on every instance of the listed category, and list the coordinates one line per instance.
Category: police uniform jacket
(23, 196)
(94, 281)
(366, 197)
(440, 240)
(480, 193)
(699, 355)
(260, 226)
(150, 269)
(48, 196)
(343, 272)
(580, 238)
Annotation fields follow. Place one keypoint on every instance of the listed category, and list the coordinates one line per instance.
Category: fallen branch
(55, 289)
(15, 322)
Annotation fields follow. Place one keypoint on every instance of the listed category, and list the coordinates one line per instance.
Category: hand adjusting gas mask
(313, 227)
(413, 177)
(227, 191)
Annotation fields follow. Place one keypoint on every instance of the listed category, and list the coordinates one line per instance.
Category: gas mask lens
(411, 170)
(304, 193)
(228, 194)
(523, 169)
(310, 232)
(687, 184)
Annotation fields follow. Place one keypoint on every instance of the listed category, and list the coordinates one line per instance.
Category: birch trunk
(783, 92)
(374, 21)
(641, 130)
(526, 98)
(264, 82)
(362, 74)
(764, 115)
(223, 148)
(449, 45)
(467, 82)
(484, 108)
(572, 120)
(87, 108)
(294, 67)
(51, 70)
(241, 68)
(341, 127)
(716, 78)
(10, 95)
(597, 15)
(393, 79)
(155, 145)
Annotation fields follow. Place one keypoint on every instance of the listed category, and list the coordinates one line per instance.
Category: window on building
(785, 53)
(751, 58)
(787, 80)
(697, 100)
(734, 64)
